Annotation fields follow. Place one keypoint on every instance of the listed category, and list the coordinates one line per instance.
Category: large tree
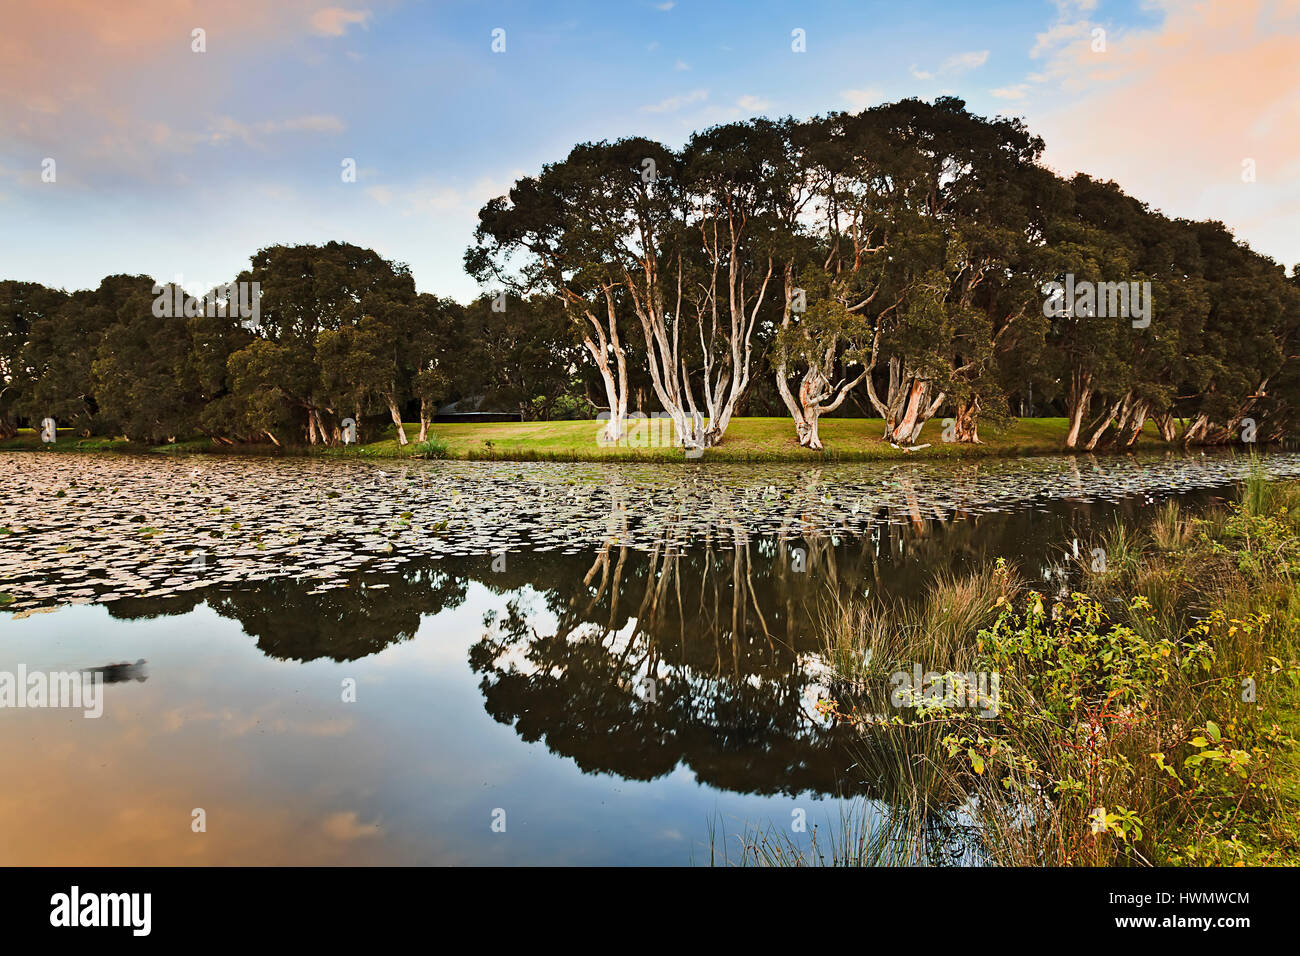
(60, 352)
(306, 291)
(553, 235)
(520, 357)
(22, 306)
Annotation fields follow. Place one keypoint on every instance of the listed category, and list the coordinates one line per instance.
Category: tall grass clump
(862, 834)
(1171, 529)
(431, 447)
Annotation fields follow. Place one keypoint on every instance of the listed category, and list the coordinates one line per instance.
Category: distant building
(470, 409)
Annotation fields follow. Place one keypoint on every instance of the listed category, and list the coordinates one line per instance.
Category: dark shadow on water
(633, 662)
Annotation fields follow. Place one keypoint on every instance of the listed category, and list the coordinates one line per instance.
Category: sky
(179, 163)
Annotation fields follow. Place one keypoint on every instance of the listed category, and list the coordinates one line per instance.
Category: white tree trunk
(397, 420)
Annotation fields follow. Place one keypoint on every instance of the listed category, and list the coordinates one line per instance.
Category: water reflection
(727, 634)
(83, 529)
(612, 692)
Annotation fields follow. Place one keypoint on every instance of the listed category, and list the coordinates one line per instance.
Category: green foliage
(432, 447)
(1157, 731)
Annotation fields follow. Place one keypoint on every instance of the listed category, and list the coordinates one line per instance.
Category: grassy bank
(747, 440)
(1144, 711)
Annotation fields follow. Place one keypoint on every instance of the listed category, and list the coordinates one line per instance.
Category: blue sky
(173, 162)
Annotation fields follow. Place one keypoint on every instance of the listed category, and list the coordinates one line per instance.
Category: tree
(1247, 342)
(524, 355)
(552, 236)
(725, 247)
(22, 305)
(61, 348)
(829, 343)
(142, 377)
(307, 290)
(441, 354)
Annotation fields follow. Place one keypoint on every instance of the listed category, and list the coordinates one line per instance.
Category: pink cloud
(334, 21)
(1170, 113)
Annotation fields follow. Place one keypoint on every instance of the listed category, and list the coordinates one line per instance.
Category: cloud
(860, 99)
(965, 61)
(429, 198)
(1016, 91)
(1066, 7)
(1057, 35)
(334, 21)
(681, 65)
(666, 5)
(102, 107)
(318, 123)
(741, 108)
(1170, 111)
(673, 103)
(955, 65)
(226, 128)
(346, 826)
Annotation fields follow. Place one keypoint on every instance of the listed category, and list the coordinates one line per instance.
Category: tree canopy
(913, 260)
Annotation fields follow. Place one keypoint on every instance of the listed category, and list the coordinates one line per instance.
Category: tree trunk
(966, 423)
(905, 427)
(810, 410)
(313, 415)
(924, 416)
(397, 420)
(1078, 407)
(1167, 425)
(1136, 421)
(613, 431)
(1197, 430)
(1103, 423)
(905, 416)
(796, 413)
(424, 421)
(801, 427)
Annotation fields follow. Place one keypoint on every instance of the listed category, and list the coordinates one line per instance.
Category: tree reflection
(637, 661)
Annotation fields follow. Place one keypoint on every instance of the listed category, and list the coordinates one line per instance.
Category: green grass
(747, 440)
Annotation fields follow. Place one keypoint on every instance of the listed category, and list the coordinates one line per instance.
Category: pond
(351, 662)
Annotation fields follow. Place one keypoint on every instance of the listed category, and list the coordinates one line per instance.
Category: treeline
(339, 333)
(906, 253)
(909, 261)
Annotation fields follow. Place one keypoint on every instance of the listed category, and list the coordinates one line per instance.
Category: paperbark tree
(555, 234)
(701, 231)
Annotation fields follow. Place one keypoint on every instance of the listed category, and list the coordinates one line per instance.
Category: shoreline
(749, 441)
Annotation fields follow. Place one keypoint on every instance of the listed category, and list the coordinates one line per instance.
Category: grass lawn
(747, 439)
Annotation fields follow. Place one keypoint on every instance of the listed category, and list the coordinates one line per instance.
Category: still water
(350, 663)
